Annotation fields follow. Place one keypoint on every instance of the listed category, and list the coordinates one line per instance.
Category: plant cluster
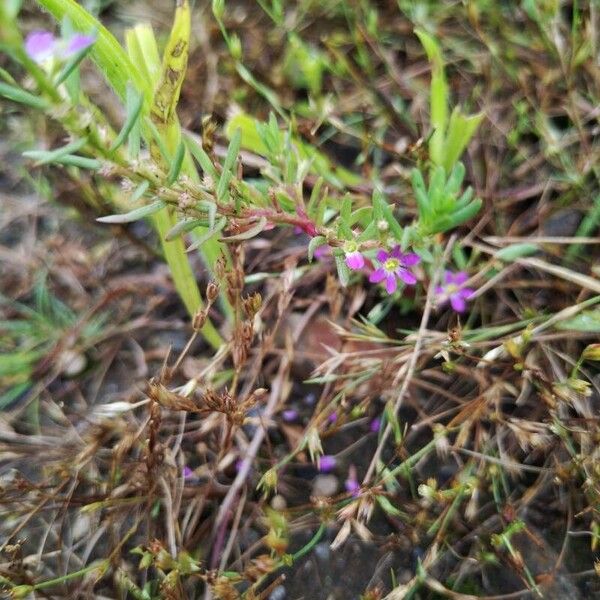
(443, 393)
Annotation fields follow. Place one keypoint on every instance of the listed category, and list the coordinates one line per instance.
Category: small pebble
(278, 502)
(325, 485)
(72, 363)
(322, 551)
(278, 593)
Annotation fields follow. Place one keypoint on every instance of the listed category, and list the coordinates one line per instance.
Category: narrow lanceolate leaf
(70, 160)
(314, 243)
(22, 97)
(44, 157)
(139, 191)
(134, 215)
(249, 233)
(176, 163)
(200, 155)
(71, 65)
(228, 166)
(515, 251)
(202, 239)
(185, 226)
(342, 269)
(134, 104)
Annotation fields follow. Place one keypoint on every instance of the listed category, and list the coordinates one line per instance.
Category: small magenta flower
(375, 424)
(395, 265)
(187, 472)
(42, 45)
(77, 43)
(453, 290)
(351, 484)
(326, 463)
(289, 414)
(354, 259)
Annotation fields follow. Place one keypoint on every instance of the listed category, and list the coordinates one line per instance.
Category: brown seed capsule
(212, 292)
(199, 320)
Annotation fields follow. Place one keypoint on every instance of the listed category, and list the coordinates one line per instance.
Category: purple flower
(354, 259)
(395, 265)
(326, 463)
(42, 45)
(351, 484)
(453, 290)
(375, 424)
(322, 252)
(332, 418)
(77, 43)
(187, 472)
(289, 414)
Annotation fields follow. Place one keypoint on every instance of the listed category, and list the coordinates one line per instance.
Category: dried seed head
(199, 320)
(212, 292)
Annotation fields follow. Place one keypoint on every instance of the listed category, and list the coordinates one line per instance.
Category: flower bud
(592, 352)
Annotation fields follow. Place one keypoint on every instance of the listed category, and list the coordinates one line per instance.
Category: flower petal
(391, 284)
(355, 261)
(77, 43)
(458, 303)
(382, 256)
(396, 252)
(410, 259)
(40, 45)
(406, 276)
(377, 276)
(439, 290)
(466, 293)
(460, 277)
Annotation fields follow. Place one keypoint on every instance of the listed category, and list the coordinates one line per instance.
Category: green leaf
(388, 507)
(458, 217)
(22, 97)
(439, 95)
(71, 65)
(143, 52)
(228, 165)
(175, 168)
(342, 269)
(134, 104)
(514, 251)
(200, 155)
(249, 233)
(208, 234)
(314, 243)
(586, 321)
(460, 131)
(421, 195)
(184, 227)
(44, 157)
(139, 191)
(134, 215)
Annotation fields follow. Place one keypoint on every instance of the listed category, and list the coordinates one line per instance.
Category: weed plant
(379, 219)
